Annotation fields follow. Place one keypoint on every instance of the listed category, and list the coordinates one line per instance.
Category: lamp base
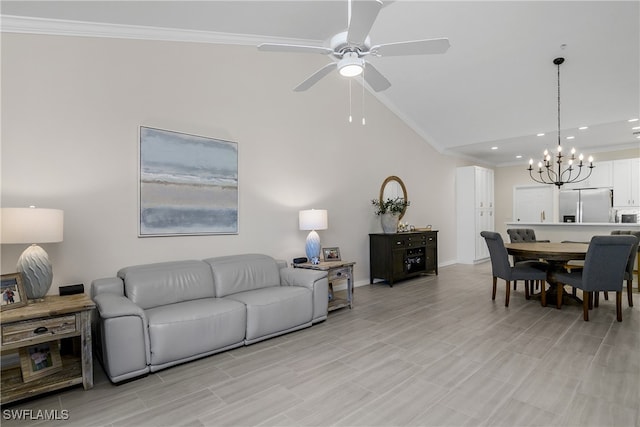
(36, 271)
(312, 247)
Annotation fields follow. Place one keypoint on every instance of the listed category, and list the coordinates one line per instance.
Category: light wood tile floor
(434, 351)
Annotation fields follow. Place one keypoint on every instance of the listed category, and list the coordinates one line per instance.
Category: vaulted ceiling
(495, 87)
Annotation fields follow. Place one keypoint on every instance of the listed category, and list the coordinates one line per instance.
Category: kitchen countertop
(577, 224)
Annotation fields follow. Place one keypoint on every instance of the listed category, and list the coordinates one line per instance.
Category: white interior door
(533, 204)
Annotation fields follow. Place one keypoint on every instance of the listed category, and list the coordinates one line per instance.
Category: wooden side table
(336, 270)
(48, 321)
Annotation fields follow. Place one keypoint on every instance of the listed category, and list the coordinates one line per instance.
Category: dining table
(556, 255)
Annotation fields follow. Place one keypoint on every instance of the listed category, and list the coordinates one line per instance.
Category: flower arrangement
(393, 206)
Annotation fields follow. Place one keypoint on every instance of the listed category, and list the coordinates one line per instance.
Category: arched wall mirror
(392, 188)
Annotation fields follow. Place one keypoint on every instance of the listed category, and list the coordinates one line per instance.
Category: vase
(389, 222)
(36, 271)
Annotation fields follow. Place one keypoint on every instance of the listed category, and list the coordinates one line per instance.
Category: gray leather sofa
(154, 316)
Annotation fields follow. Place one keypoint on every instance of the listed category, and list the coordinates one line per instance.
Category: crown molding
(61, 27)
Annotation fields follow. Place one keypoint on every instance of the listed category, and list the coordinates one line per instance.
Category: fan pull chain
(363, 121)
(350, 117)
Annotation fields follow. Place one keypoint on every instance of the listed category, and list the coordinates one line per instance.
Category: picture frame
(40, 360)
(187, 184)
(13, 293)
(331, 254)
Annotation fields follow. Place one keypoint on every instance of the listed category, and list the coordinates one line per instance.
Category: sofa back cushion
(152, 285)
(240, 273)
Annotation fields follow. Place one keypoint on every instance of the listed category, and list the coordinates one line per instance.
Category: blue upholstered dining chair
(628, 274)
(501, 268)
(523, 235)
(604, 269)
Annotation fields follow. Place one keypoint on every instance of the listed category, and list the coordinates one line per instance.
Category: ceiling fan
(351, 47)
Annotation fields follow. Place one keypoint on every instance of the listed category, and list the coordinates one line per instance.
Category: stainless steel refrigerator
(588, 205)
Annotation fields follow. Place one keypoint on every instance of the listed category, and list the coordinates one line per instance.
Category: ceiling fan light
(351, 70)
(350, 65)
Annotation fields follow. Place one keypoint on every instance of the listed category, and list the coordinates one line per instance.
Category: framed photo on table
(12, 289)
(40, 360)
(331, 254)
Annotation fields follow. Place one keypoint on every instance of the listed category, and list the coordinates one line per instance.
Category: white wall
(71, 108)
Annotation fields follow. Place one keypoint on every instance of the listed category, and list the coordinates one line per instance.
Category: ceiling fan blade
(377, 81)
(315, 77)
(415, 47)
(363, 15)
(274, 47)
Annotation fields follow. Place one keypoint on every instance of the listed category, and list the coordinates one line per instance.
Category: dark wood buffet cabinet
(398, 256)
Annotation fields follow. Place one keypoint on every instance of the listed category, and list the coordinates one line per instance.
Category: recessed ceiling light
(494, 148)
(540, 134)
(638, 136)
(571, 137)
(632, 120)
(518, 156)
(583, 127)
(635, 127)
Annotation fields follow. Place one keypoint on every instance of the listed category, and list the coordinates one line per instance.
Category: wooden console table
(398, 256)
(337, 270)
(55, 318)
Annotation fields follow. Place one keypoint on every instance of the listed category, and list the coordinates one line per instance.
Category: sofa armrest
(314, 280)
(123, 338)
(300, 277)
(110, 305)
(110, 285)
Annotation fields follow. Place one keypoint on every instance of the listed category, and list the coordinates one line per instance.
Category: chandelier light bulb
(590, 159)
(570, 162)
(573, 150)
(530, 161)
(545, 152)
(539, 165)
(559, 148)
(581, 157)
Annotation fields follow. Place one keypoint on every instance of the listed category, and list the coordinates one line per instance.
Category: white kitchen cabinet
(474, 212)
(626, 183)
(601, 177)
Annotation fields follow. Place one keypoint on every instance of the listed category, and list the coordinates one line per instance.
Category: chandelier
(562, 169)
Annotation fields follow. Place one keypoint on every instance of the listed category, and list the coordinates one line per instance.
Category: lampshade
(313, 219)
(32, 225)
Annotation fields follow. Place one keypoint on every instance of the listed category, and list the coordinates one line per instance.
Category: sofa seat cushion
(275, 309)
(189, 328)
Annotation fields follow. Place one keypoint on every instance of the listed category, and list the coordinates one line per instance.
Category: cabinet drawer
(29, 329)
(338, 274)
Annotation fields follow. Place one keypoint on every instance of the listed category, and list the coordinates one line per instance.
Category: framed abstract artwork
(188, 184)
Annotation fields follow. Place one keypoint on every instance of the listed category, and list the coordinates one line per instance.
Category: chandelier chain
(559, 103)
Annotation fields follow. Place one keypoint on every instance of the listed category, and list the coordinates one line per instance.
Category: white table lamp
(32, 225)
(313, 219)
